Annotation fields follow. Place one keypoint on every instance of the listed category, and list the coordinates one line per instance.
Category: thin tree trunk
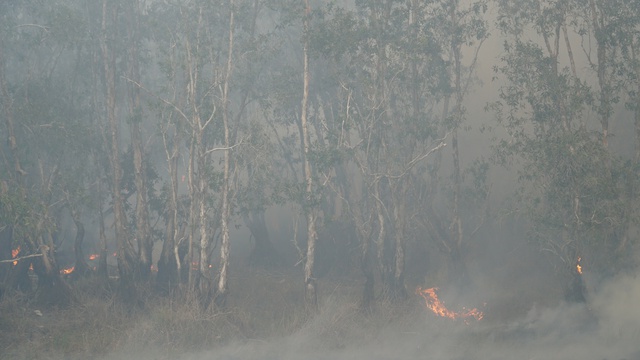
(601, 52)
(143, 229)
(81, 268)
(167, 264)
(102, 270)
(381, 239)
(398, 287)
(125, 252)
(223, 279)
(205, 278)
(311, 296)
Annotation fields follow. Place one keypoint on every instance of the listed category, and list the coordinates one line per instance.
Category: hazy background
(542, 184)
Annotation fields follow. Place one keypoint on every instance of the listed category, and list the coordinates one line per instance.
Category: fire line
(437, 307)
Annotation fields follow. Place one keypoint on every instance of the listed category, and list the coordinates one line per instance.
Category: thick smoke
(607, 326)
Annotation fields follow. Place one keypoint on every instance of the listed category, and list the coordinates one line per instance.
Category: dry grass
(262, 306)
(32, 332)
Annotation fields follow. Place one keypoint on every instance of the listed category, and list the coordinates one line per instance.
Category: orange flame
(14, 254)
(67, 271)
(434, 304)
(578, 266)
(94, 256)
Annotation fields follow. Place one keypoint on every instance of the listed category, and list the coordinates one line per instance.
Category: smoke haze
(606, 327)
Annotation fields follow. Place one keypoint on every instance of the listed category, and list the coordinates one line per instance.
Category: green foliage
(574, 188)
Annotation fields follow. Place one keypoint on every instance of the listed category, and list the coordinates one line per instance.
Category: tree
(463, 28)
(311, 296)
(389, 74)
(126, 253)
(52, 118)
(575, 185)
(143, 228)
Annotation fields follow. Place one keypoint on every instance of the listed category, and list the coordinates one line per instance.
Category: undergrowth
(262, 306)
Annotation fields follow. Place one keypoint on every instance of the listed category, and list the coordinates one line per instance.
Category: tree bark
(223, 278)
(125, 253)
(81, 268)
(167, 264)
(311, 296)
(601, 53)
(143, 228)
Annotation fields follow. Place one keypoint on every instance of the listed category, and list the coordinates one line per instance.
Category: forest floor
(265, 319)
(265, 314)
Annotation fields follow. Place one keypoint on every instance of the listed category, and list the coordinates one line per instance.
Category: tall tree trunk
(223, 278)
(81, 268)
(194, 198)
(205, 278)
(399, 198)
(456, 228)
(143, 229)
(167, 264)
(601, 53)
(381, 241)
(102, 270)
(125, 253)
(311, 296)
(98, 152)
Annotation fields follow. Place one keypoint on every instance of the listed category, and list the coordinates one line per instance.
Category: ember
(67, 271)
(14, 254)
(578, 266)
(434, 304)
(94, 256)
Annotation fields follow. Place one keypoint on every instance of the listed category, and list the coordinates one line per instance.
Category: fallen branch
(20, 258)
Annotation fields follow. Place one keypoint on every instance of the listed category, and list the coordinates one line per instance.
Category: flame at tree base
(67, 271)
(434, 304)
(578, 266)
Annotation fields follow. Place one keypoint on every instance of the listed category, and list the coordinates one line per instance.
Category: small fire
(14, 254)
(67, 271)
(94, 256)
(578, 266)
(434, 304)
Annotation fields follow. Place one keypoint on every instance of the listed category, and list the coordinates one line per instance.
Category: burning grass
(438, 307)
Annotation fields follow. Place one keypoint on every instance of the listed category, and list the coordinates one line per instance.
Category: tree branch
(20, 258)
